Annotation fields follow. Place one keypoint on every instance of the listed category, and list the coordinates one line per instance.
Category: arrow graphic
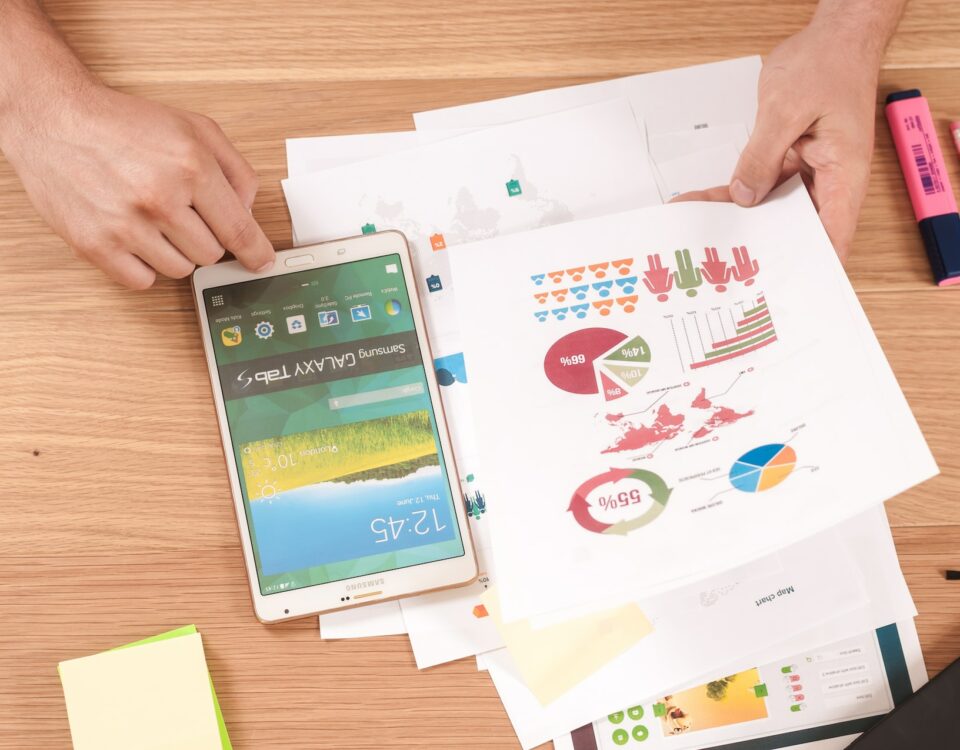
(580, 507)
(625, 527)
(581, 513)
(658, 488)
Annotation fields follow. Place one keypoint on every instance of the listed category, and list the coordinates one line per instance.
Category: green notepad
(113, 700)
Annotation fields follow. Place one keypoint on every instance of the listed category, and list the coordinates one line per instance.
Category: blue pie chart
(763, 468)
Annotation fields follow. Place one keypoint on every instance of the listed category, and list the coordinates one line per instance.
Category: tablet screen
(331, 424)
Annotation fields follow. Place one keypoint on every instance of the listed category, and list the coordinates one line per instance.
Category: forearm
(38, 70)
(865, 25)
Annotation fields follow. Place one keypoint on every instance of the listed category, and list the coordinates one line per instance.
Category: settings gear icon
(264, 329)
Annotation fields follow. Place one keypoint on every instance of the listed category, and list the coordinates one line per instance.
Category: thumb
(761, 162)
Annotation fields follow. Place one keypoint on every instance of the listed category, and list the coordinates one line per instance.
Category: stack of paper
(152, 694)
(696, 407)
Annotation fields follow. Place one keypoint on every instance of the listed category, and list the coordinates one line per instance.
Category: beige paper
(555, 658)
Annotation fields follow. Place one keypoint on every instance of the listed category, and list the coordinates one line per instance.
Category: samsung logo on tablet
(365, 584)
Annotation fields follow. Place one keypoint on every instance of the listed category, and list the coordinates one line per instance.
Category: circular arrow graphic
(658, 492)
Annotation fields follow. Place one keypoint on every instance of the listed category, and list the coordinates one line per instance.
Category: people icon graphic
(745, 269)
(715, 271)
(687, 276)
(657, 279)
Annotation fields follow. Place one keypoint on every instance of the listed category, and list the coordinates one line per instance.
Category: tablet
(339, 460)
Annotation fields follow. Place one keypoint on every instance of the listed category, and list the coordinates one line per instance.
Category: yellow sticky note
(153, 697)
(557, 657)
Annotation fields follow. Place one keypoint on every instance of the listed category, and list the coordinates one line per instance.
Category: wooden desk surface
(116, 520)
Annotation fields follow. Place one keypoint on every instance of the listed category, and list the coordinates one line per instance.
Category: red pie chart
(568, 363)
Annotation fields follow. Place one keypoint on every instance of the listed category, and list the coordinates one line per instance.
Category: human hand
(815, 115)
(133, 186)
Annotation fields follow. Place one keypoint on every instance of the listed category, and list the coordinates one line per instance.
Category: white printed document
(712, 94)
(729, 623)
(671, 392)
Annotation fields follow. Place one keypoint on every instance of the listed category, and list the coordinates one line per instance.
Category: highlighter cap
(941, 237)
(899, 96)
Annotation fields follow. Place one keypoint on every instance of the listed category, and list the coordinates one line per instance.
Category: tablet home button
(299, 260)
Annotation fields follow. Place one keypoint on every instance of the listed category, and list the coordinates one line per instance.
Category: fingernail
(265, 267)
(741, 193)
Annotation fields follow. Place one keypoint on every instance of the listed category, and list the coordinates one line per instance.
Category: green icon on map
(513, 187)
(368, 229)
(620, 737)
(760, 691)
(640, 733)
(616, 717)
(659, 709)
(635, 712)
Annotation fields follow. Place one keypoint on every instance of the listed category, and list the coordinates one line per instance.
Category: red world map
(666, 425)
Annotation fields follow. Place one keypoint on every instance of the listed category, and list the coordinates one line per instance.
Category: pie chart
(621, 368)
(763, 468)
(568, 363)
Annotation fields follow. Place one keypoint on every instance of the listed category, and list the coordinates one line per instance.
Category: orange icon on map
(437, 242)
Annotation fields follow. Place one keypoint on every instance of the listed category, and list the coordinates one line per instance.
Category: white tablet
(338, 455)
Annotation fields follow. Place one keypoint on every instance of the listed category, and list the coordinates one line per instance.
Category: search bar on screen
(375, 397)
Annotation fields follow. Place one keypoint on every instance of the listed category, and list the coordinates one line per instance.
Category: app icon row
(263, 330)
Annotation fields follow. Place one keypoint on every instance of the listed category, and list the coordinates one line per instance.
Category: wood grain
(117, 522)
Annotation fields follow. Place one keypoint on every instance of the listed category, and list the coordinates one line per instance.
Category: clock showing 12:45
(419, 523)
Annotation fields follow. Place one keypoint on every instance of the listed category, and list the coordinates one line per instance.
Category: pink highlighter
(921, 160)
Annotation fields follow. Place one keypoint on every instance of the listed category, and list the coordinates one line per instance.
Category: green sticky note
(189, 630)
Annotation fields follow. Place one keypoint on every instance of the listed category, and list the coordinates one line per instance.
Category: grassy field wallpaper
(385, 448)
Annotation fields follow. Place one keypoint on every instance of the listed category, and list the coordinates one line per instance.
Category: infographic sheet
(822, 697)
(670, 392)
